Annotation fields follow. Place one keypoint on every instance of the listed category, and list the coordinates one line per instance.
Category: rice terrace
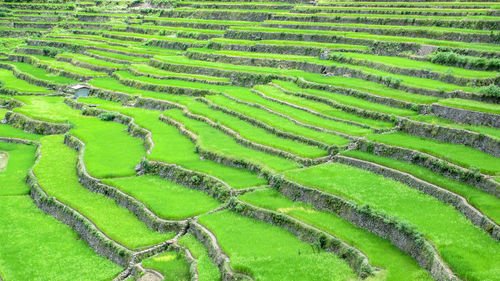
(281, 140)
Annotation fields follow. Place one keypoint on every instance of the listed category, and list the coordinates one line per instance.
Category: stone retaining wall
(191, 179)
(434, 164)
(33, 126)
(173, 90)
(238, 78)
(472, 24)
(466, 116)
(479, 141)
(422, 33)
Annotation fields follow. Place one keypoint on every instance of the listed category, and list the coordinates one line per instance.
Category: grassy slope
(101, 157)
(486, 203)
(172, 147)
(28, 236)
(20, 160)
(207, 270)
(170, 264)
(458, 154)
(470, 252)
(214, 140)
(380, 252)
(165, 198)
(57, 165)
(10, 82)
(271, 253)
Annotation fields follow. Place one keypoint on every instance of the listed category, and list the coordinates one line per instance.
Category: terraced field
(250, 140)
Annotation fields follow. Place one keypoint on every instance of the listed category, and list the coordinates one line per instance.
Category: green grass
(402, 10)
(420, 65)
(368, 36)
(337, 81)
(157, 37)
(204, 21)
(167, 199)
(35, 246)
(431, 119)
(147, 69)
(133, 47)
(326, 109)
(172, 147)
(469, 251)
(381, 252)
(472, 105)
(277, 121)
(290, 43)
(10, 82)
(270, 253)
(57, 165)
(91, 60)
(171, 265)
(42, 74)
(118, 56)
(19, 160)
(175, 29)
(459, 154)
(380, 26)
(68, 66)
(428, 84)
(214, 140)
(256, 134)
(7, 130)
(240, 92)
(105, 141)
(207, 270)
(332, 97)
(484, 202)
(302, 115)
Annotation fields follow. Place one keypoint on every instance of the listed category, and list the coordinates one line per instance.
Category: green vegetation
(167, 199)
(244, 93)
(486, 203)
(256, 134)
(452, 234)
(368, 36)
(213, 140)
(431, 119)
(472, 105)
(170, 264)
(101, 157)
(90, 60)
(271, 253)
(172, 147)
(381, 252)
(17, 159)
(10, 82)
(57, 165)
(207, 271)
(41, 74)
(420, 65)
(458, 154)
(29, 235)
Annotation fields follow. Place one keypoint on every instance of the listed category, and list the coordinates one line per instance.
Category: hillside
(247, 140)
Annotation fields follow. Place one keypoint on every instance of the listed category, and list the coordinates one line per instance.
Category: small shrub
(107, 116)
(490, 91)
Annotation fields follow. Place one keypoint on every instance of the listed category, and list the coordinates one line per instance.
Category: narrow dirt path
(4, 157)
